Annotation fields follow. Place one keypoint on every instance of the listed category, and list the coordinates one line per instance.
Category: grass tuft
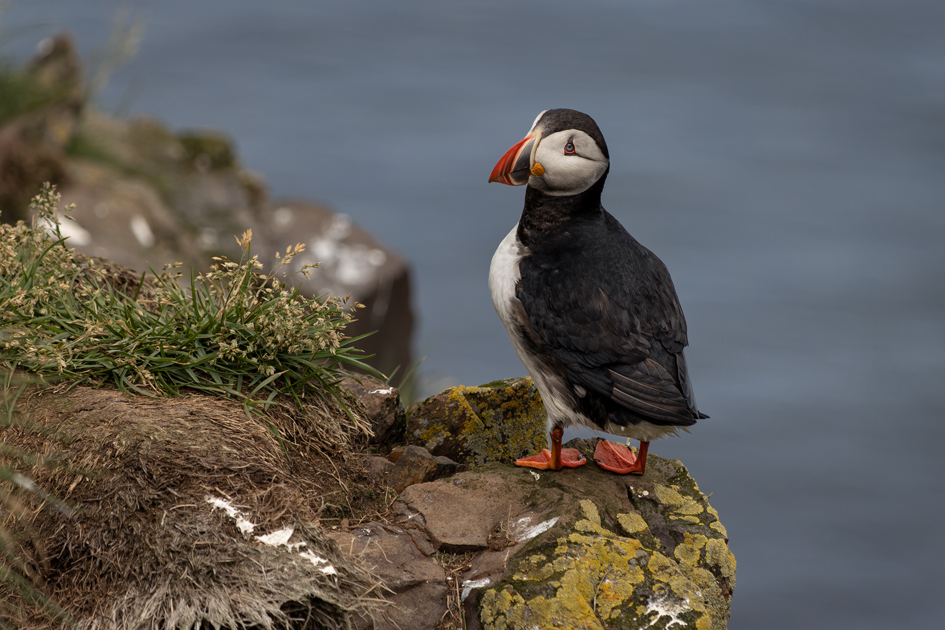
(235, 332)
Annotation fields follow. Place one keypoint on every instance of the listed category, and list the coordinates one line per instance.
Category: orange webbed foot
(619, 459)
(570, 458)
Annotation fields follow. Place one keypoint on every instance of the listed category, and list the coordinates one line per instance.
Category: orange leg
(556, 458)
(620, 459)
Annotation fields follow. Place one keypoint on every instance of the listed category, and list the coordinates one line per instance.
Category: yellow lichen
(631, 523)
(590, 511)
(690, 507)
(718, 554)
(661, 567)
(680, 504)
(500, 422)
(598, 578)
(687, 554)
(666, 571)
(536, 567)
(696, 540)
(667, 496)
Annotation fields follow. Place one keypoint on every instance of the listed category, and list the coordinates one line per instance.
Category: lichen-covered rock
(580, 548)
(500, 421)
(627, 553)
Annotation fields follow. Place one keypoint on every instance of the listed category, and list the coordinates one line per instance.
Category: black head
(554, 120)
(563, 154)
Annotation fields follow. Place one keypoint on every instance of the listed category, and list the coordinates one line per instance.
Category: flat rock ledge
(580, 548)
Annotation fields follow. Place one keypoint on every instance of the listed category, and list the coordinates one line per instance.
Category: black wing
(610, 315)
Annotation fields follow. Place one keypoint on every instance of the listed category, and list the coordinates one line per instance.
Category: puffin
(591, 312)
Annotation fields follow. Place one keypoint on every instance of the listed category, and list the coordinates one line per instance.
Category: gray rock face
(352, 262)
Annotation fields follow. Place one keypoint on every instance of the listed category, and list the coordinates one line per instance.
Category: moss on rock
(499, 421)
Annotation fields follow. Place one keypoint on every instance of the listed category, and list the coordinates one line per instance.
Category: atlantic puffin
(592, 314)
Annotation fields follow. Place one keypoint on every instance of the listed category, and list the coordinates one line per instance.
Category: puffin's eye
(569, 147)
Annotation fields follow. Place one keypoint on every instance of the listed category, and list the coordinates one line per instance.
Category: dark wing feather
(610, 315)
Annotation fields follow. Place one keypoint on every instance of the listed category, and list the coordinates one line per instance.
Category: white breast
(504, 274)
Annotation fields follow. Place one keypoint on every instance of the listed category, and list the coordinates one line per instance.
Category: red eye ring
(569, 147)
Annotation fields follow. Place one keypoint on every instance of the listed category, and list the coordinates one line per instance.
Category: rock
(38, 116)
(417, 583)
(146, 196)
(383, 407)
(352, 262)
(208, 150)
(499, 421)
(378, 468)
(413, 464)
(125, 221)
(581, 548)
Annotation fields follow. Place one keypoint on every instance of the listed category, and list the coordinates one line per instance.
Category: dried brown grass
(145, 549)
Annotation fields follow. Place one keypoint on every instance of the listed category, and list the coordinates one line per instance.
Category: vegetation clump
(236, 331)
(145, 475)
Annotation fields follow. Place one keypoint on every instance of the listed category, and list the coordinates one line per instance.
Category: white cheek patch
(568, 174)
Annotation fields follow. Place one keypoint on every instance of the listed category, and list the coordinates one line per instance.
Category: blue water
(785, 159)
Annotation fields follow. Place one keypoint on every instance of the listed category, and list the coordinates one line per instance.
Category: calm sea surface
(785, 159)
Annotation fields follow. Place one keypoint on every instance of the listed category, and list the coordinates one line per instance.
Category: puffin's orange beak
(515, 166)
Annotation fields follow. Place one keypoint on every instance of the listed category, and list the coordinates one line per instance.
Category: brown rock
(652, 544)
(378, 468)
(462, 513)
(417, 583)
(382, 405)
(34, 138)
(413, 464)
